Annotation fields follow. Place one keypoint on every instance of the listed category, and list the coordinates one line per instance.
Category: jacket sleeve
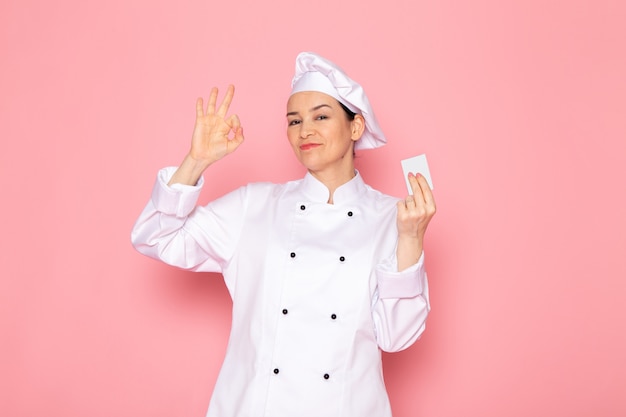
(173, 229)
(400, 305)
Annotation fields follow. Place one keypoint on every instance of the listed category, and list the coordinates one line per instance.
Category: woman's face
(320, 133)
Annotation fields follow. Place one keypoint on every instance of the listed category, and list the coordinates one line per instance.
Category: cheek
(342, 135)
(292, 137)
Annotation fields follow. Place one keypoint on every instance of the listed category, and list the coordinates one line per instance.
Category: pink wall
(520, 108)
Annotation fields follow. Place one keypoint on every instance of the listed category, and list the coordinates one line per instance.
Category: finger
(426, 191)
(238, 138)
(401, 208)
(199, 108)
(210, 109)
(409, 201)
(227, 100)
(234, 123)
(418, 195)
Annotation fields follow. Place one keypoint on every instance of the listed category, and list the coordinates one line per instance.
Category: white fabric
(339, 311)
(315, 73)
(316, 81)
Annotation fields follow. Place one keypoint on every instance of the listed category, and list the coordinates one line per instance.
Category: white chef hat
(315, 73)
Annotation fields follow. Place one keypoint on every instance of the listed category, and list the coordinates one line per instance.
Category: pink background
(520, 107)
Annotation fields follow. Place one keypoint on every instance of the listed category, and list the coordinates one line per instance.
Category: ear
(358, 127)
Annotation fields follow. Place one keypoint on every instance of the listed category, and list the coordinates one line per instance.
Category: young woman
(324, 272)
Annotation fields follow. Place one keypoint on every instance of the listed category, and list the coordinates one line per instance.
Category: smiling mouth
(308, 146)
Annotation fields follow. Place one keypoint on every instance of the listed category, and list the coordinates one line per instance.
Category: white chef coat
(315, 291)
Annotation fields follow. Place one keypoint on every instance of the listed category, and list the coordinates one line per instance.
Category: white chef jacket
(315, 289)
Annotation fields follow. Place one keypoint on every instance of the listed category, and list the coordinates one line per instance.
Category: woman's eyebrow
(320, 106)
(294, 113)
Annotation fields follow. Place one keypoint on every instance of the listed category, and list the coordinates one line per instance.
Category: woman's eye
(294, 122)
(322, 117)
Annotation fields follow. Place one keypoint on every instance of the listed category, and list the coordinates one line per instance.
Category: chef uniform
(315, 287)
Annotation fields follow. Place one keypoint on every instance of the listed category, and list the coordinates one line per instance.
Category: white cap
(314, 73)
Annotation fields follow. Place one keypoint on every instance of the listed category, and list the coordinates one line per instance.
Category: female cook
(324, 272)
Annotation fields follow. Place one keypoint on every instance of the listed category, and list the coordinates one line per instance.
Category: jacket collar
(315, 190)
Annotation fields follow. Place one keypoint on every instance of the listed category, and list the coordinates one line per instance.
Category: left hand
(416, 211)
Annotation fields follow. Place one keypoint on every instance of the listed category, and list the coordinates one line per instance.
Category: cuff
(408, 283)
(176, 199)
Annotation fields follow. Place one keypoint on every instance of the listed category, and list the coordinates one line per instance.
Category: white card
(415, 165)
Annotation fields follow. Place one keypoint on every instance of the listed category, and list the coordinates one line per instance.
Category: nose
(306, 129)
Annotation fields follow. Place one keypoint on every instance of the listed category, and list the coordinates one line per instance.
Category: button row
(303, 207)
(341, 258)
(332, 316)
(276, 371)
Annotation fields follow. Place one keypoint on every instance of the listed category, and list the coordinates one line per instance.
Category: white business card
(417, 164)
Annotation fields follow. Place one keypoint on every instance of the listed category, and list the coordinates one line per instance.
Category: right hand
(210, 141)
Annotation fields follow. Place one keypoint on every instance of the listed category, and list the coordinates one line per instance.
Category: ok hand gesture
(212, 138)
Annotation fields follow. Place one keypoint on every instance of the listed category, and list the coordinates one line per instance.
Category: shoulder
(265, 191)
(380, 200)
(267, 188)
(260, 189)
